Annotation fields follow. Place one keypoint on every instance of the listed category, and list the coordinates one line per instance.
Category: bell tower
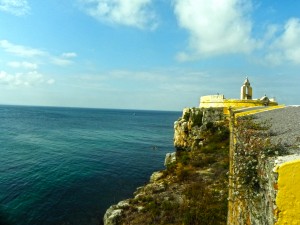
(246, 90)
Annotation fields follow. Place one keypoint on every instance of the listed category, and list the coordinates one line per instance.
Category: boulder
(112, 215)
(156, 176)
(170, 158)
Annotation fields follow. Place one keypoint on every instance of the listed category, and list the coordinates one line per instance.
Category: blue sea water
(66, 166)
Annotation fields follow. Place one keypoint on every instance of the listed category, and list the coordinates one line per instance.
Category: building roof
(247, 82)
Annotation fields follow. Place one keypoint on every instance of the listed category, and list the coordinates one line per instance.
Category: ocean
(66, 166)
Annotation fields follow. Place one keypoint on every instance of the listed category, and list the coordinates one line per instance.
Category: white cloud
(28, 52)
(64, 59)
(286, 48)
(69, 55)
(50, 81)
(20, 50)
(15, 7)
(144, 89)
(134, 13)
(216, 27)
(59, 61)
(31, 78)
(25, 65)
(158, 80)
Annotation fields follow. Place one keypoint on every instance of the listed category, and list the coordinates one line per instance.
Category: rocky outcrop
(193, 188)
(158, 189)
(171, 194)
(114, 213)
(159, 186)
(189, 129)
(170, 158)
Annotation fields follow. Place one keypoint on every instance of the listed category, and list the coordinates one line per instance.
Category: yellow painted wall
(245, 103)
(218, 101)
(288, 197)
(237, 208)
(209, 101)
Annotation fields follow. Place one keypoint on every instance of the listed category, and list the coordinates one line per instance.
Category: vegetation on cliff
(193, 189)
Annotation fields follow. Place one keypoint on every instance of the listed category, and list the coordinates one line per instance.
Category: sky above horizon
(147, 54)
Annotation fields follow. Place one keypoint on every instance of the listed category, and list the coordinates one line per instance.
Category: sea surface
(66, 166)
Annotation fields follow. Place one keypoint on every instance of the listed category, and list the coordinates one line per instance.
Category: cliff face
(193, 187)
(189, 130)
(264, 180)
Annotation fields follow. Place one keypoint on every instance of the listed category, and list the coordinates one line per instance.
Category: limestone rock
(154, 188)
(156, 176)
(170, 158)
(189, 129)
(114, 213)
(189, 134)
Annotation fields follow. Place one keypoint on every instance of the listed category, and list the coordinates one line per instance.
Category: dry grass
(196, 187)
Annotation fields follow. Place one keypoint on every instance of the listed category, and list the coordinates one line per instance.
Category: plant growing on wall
(252, 147)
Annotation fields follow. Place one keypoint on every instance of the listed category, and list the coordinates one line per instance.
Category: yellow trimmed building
(219, 101)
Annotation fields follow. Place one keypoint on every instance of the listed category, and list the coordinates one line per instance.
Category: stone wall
(286, 167)
(257, 207)
(272, 197)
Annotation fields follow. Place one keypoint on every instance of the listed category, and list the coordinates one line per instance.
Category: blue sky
(147, 54)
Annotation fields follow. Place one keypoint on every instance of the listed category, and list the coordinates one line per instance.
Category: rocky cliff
(193, 187)
(258, 184)
(189, 130)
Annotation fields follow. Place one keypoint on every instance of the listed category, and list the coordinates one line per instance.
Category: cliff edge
(193, 187)
(236, 169)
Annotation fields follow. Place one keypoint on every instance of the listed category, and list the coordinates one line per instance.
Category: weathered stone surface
(264, 207)
(164, 188)
(123, 204)
(156, 176)
(188, 130)
(114, 213)
(189, 133)
(170, 158)
(154, 188)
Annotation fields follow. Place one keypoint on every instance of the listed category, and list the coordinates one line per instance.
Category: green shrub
(197, 118)
(210, 147)
(183, 157)
(183, 172)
